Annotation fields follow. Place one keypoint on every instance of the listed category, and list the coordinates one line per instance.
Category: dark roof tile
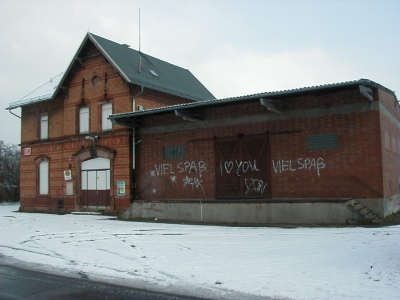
(134, 67)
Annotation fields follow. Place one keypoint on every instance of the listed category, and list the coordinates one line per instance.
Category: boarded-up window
(174, 152)
(322, 141)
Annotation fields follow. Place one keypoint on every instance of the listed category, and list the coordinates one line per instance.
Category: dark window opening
(174, 152)
(322, 141)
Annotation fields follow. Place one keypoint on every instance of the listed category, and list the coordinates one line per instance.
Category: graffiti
(189, 167)
(256, 185)
(181, 167)
(163, 169)
(194, 182)
(238, 167)
(302, 164)
(192, 166)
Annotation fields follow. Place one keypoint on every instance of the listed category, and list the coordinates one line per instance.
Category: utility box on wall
(70, 188)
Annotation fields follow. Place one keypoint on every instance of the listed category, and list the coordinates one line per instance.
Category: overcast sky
(234, 47)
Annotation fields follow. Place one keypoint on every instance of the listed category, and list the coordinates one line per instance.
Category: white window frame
(44, 127)
(106, 111)
(44, 177)
(84, 120)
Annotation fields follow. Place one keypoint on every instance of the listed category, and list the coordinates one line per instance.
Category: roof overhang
(190, 111)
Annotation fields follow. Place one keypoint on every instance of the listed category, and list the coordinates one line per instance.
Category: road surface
(17, 283)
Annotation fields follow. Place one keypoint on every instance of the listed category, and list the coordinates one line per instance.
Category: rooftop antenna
(140, 58)
(139, 29)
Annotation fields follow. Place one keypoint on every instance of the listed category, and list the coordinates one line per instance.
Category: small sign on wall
(121, 188)
(67, 175)
(27, 151)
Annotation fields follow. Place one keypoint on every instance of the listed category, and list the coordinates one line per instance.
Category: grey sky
(233, 47)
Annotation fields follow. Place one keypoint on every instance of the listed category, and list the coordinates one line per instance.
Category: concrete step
(359, 206)
(377, 220)
(86, 213)
(370, 215)
(352, 202)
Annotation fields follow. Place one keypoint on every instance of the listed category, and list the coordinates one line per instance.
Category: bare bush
(9, 172)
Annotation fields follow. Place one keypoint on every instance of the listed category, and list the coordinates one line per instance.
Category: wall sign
(27, 151)
(121, 188)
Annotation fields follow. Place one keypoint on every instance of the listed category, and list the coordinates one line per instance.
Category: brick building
(71, 154)
(328, 154)
(128, 133)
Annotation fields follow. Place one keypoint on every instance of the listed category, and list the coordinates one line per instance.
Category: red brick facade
(66, 148)
(364, 165)
(263, 155)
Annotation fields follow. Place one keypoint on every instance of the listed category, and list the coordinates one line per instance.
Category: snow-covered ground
(209, 261)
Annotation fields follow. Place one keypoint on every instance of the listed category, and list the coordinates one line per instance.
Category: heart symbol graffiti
(228, 166)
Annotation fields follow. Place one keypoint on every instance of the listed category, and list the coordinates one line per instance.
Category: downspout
(134, 142)
(133, 129)
(134, 98)
(13, 113)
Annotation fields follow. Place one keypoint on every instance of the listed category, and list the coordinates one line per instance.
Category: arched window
(44, 178)
(42, 175)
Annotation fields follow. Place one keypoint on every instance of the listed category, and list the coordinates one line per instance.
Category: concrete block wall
(250, 213)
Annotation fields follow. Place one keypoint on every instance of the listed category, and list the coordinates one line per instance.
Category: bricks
(65, 142)
(358, 168)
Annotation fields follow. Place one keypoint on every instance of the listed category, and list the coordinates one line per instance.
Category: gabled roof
(145, 70)
(129, 117)
(135, 68)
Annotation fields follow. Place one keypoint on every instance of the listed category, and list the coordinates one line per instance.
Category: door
(96, 183)
(242, 167)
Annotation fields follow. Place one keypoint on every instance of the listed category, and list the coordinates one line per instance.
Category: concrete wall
(251, 213)
(382, 207)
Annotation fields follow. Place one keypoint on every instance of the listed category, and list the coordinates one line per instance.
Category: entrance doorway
(96, 183)
(242, 167)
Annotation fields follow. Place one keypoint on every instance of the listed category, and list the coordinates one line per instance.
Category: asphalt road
(16, 283)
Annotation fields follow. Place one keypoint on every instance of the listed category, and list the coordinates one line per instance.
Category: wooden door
(242, 167)
(95, 188)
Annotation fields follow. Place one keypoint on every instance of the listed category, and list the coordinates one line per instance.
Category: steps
(367, 213)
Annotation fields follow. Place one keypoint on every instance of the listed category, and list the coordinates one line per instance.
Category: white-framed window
(44, 127)
(106, 111)
(84, 120)
(44, 178)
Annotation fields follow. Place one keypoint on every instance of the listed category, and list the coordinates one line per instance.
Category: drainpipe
(134, 98)
(13, 113)
(133, 129)
(133, 138)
